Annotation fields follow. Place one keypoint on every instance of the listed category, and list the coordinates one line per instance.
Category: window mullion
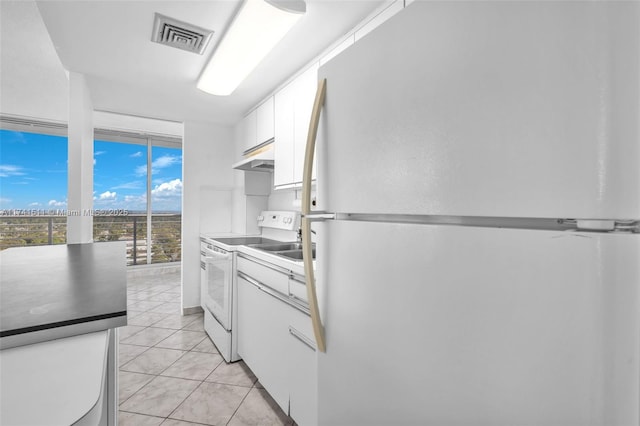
(149, 163)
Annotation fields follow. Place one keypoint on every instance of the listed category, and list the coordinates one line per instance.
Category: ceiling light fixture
(257, 28)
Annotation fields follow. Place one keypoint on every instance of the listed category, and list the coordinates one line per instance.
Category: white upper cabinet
(264, 121)
(248, 130)
(284, 128)
(293, 107)
(257, 126)
(307, 84)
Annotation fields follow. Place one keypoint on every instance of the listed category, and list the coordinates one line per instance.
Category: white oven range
(217, 288)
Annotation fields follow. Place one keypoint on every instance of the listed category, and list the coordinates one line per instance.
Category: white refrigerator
(479, 164)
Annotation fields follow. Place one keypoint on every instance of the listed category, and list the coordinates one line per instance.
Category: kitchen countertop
(295, 266)
(51, 292)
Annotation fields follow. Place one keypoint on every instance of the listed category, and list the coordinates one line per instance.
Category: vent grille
(181, 35)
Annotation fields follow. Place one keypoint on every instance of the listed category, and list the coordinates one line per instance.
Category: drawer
(265, 275)
(298, 290)
(301, 322)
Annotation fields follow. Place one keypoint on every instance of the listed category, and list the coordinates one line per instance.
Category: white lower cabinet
(262, 339)
(275, 339)
(301, 355)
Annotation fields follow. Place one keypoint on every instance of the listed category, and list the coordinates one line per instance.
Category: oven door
(218, 265)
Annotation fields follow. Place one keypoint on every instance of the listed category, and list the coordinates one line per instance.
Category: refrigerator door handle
(318, 329)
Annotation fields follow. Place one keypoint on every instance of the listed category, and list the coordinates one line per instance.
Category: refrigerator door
(491, 108)
(442, 325)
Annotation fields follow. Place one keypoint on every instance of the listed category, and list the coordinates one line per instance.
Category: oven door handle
(214, 255)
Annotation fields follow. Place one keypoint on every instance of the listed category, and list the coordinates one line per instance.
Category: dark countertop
(50, 292)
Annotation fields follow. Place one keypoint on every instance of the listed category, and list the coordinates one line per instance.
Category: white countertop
(295, 266)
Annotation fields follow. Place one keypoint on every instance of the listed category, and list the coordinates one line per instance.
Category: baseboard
(192, 310)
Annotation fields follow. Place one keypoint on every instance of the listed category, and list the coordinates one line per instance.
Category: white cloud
(8, 170)
(136, 155)
(158, 164)
(168, 189)
(35, 204)
(135, 198)
(99, 152)
(141, 170)
(5, 200)
(107, 196)
(130, 185)
(54, 203)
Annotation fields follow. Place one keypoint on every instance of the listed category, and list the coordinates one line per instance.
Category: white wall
(208, 181)
(80, 162)
(32, 80)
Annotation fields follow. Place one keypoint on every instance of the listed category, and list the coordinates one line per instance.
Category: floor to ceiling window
(138, 194)
(33, 188)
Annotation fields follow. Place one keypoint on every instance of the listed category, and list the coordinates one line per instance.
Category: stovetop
(243, 241)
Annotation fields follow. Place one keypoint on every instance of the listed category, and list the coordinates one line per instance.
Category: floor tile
(173, 422)
(185, 340)
(193, 365)
(165, 297)
(211, 404)
(143, 295)
(167, 308)
(259, 409)
(195, 326)
(130, 383)
(175, 321)
(129, 330)
(139, 286)
(160, 396)
(236, 373)
(132, 314)
(153, 361)
(128, 352)
(206, 346)
(142, 305)
(132, 419)
(149, 336)
(159, 288)
(147, 319)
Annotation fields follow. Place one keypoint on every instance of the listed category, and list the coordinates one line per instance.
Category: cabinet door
(284, 127)
(264, 121)
(306, 86)
(249, 136)
(302, 370)
(263, 339)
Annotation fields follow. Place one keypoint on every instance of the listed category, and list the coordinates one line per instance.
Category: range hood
(257, 159)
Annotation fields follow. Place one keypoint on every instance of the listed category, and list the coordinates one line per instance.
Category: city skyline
(33, 174)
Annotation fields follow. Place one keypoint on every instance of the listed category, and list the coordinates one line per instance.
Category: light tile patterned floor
(170, 372)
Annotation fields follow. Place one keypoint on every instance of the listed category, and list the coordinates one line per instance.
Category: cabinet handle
(271, 292)
(304, 339)
(318, 328)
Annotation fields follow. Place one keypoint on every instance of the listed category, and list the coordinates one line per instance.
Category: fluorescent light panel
(258, 27)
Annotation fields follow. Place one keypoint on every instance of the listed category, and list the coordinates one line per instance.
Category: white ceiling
(109, 42)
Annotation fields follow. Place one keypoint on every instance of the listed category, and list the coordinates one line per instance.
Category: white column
(80, 192)
(207, 177)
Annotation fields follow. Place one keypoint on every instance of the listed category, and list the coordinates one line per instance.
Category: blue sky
(33, 174)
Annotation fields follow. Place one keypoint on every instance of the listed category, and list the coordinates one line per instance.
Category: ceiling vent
(181, 35)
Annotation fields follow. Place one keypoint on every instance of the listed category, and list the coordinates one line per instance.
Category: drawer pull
(304, 339)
